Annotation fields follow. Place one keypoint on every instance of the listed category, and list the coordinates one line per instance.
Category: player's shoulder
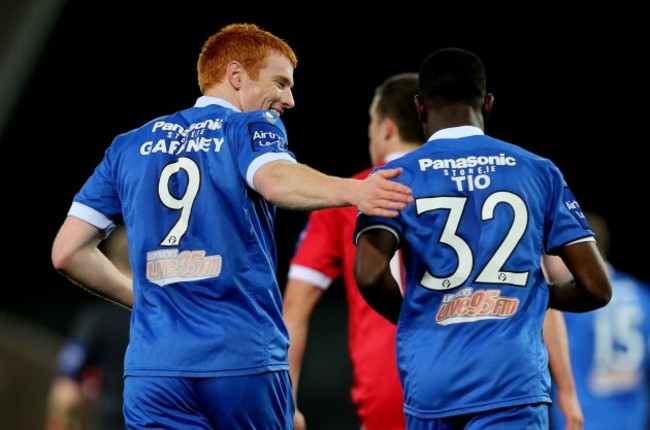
(260, 124)
(210, 116)
(260, 116)
(514, 154)
(158, 125)
(522, 152)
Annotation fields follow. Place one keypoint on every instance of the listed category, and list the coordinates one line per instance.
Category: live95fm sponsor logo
(168, 266)
(469, 305)
(266, 136)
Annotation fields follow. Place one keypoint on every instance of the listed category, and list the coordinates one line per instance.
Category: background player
(610, 348)
(86, 392)
(326, 251)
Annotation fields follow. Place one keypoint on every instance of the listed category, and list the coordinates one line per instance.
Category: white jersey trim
(381, 226)
(262, 160)
(584, 239)
(310, 276)
(93, 217)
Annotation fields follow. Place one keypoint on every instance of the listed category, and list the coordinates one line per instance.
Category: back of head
(246, 43)
(453, 75)
(395, 99)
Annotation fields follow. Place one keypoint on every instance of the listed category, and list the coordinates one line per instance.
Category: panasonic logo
(466, 162)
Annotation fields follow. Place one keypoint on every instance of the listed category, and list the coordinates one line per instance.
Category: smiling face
(272, 87)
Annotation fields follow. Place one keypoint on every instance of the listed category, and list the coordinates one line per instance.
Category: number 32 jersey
(469, 336)
(200, 237)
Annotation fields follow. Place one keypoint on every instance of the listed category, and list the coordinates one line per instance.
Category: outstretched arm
(300, 298)
(75, 254)
(300, 187)
(375, 249)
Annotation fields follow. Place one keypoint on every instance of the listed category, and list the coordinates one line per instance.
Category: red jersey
(326, 251)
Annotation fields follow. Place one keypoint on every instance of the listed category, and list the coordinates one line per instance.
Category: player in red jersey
(327, 251)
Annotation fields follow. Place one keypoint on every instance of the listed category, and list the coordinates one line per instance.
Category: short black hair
(453, 75)
(396, 100)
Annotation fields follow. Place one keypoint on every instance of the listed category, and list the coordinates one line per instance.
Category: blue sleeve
(261, 138)
(100, 190)
(565, 222)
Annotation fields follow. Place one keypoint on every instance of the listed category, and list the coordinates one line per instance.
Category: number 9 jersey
(183, 185)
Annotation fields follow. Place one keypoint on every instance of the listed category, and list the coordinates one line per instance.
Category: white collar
(456, 132)
(394, 156)
(204, 101)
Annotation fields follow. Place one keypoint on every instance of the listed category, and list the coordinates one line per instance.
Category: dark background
(567, 87)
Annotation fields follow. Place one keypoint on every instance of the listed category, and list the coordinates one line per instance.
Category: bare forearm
(589, 287)
(95, 273)
(557, 343)
(570, 296)
(375, 249)
(66, 406)
(299, 300)
(384, 297)
(556, 339)
(75, 254)
(299, 187)
(298, 326)
(298, 335)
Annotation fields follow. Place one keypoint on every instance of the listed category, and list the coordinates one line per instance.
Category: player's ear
(234, 72)
(419, 105)
(488, 102)
(389, 127)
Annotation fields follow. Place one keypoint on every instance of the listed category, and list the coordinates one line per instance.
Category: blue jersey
(610, 357)
(200, 237)
(469, 336)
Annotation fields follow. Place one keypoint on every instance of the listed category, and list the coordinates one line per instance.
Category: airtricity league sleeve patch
(266, 136)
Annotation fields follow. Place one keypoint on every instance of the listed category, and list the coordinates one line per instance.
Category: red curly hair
(246, 43)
